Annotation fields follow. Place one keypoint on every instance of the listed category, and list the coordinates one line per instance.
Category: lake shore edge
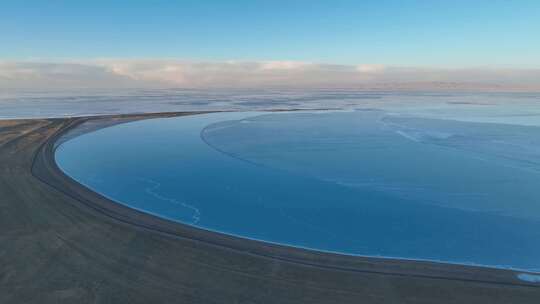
(263, 260)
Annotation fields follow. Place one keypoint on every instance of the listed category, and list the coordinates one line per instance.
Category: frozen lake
(367, 182)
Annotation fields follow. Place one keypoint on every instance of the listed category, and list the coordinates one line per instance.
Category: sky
(146, 42)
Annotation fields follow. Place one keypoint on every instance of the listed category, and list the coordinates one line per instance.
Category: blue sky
(406, 33)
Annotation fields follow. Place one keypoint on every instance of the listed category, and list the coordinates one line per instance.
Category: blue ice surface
(355, 182)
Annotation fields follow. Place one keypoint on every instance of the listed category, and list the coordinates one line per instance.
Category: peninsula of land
(60, 242)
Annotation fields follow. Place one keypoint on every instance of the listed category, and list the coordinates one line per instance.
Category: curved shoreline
(63, 241)
(281, 252)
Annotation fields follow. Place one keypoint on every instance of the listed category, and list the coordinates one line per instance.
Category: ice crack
(152, 191)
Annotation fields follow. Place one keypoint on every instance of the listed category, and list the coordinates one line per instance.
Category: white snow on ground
(527, 277)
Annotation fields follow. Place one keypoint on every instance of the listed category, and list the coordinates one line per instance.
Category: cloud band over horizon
(148, 73)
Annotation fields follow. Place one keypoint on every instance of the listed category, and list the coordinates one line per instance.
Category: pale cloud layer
(117, 73)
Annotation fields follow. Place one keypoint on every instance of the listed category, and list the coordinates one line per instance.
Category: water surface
(363, 182)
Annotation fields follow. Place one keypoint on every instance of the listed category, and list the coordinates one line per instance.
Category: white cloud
(370, 68)
(121, 73)
(284, 65)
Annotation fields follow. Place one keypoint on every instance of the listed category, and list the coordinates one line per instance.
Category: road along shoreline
(196, 259)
